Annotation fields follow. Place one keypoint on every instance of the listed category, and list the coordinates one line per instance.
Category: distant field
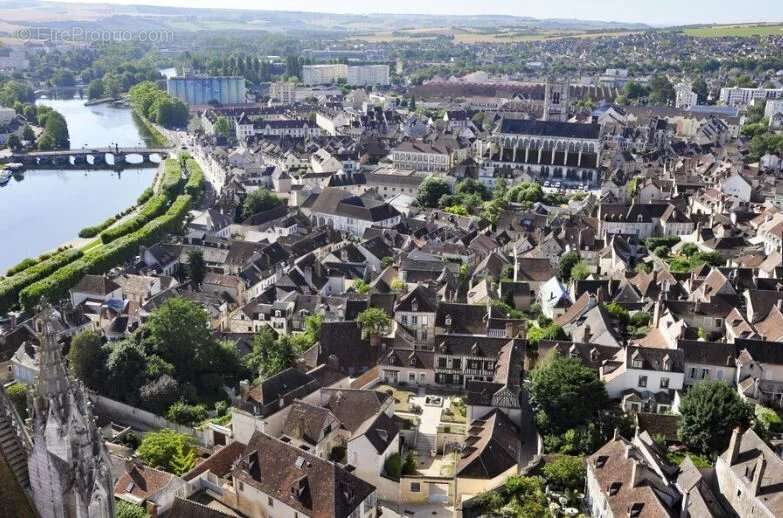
(466, 35)
(717, 31)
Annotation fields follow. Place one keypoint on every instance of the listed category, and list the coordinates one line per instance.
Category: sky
(653, 12)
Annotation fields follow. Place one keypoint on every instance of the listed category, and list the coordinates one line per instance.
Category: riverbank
(157, 139)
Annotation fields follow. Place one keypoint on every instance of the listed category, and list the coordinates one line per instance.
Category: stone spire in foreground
(69, 466)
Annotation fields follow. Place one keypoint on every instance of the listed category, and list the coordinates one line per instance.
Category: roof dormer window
(636, 360)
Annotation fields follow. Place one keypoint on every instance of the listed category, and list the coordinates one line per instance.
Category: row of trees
(158, 106)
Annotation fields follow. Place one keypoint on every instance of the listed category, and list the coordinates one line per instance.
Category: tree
(158, 395)
(710, 411)
(580, 271)
(701, 90)
(188, 415)
(547, 332)
(87, 359)
(128, 510)
(269, 355)
(566, 472)
(527, 498)
(431, 190)
(634, 90)
(55, 133)
(374, 321)
(159, 448)
(18, 395)
(95, 89)
(184, 460)
(223, 127)
(27, 133)
(125, 365)
(178, 331)
(196, 267)
(111, 86)
(14, 143)
(393, 466)
(567, 263)
(567, 395)
(409, 466)
(767, 422)
(361, 286)
(661, 90)
(259, 200)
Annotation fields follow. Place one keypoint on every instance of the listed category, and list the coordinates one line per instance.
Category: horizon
(764, 11)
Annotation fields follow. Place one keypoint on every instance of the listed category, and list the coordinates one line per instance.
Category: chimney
(244, 388)
(616, 434)
(758, 474)
(333, 361)
(635, 473)
(657, 311)
(13, 321)
(587, 334)
(734, 445)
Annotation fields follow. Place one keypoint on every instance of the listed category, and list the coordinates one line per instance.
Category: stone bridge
(91, 157)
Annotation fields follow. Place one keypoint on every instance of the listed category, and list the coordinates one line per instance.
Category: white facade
(363, 75)
(323, 74)
(685, 96)
(743, 96)
(283, 91)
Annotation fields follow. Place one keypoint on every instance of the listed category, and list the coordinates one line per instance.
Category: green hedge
(195, 184)
(94, 230)
(21, 266)
(12, 286)
(146, 195)
(172, 177)
(103, 258)
(150, 210)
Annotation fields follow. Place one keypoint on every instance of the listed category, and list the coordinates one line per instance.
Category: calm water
(48, 208)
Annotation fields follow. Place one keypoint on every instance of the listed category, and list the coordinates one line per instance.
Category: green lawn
(717, 31)
(400, 396)
(699, 461)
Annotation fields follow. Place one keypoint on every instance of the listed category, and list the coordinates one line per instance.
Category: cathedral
(69, 466)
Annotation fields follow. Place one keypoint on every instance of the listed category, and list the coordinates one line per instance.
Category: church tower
(556, 100)
(69, 466)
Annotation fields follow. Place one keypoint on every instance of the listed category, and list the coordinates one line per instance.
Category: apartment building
(202, 90)
(283, 92)
(736, 96)
(323, 74)
(364, 75)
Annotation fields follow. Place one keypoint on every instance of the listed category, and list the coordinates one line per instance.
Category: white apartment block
(323, 74)
(743, 96)
(685, 96)
(283, 91)
(363, 75)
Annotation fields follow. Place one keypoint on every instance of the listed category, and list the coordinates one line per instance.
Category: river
(49, 207)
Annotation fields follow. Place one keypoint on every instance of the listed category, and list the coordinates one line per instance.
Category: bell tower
(556, 100)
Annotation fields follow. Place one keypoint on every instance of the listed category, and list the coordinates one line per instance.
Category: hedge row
(146, 195)
(195, 185)
(149, 211)
(10, 287)
(21, 266)
(172, 177)
(103, 258)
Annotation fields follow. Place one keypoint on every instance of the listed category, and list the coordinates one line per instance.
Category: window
(270, 502)
(412, 377)
(415, 487)
(664, 383)
(693, 372)
(636, 361)
(441, 363)
(456, 363)
(642, 381)
(705, 373)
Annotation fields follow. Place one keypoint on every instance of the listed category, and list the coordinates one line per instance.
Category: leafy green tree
(13, 92)
(431, 190)
(270, 355)
(184, 460)
(767, 422)
(63, 78)
(701, 90)
(197, 268)
(409, 465)
(567, 394)
(223, 127)
(387, 261)
(95, 89)
(525, 193)
(527, 498)
(710, 411)
(128, 510)
(112, 87)
(14, 143)
(18, 395)
(87, 359)
(188, 415)
(661, 90)
(546, 332)
(361, 286)
(374, 321)
(470, 186)
(159, 448)
(580, 271)
(393, 466)
(125, 367)
(55, 133)
(634, 91)
(259, 200)
(178, 331)
(158, 395)
(567, 262)
(566, 472)
(27, 133)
